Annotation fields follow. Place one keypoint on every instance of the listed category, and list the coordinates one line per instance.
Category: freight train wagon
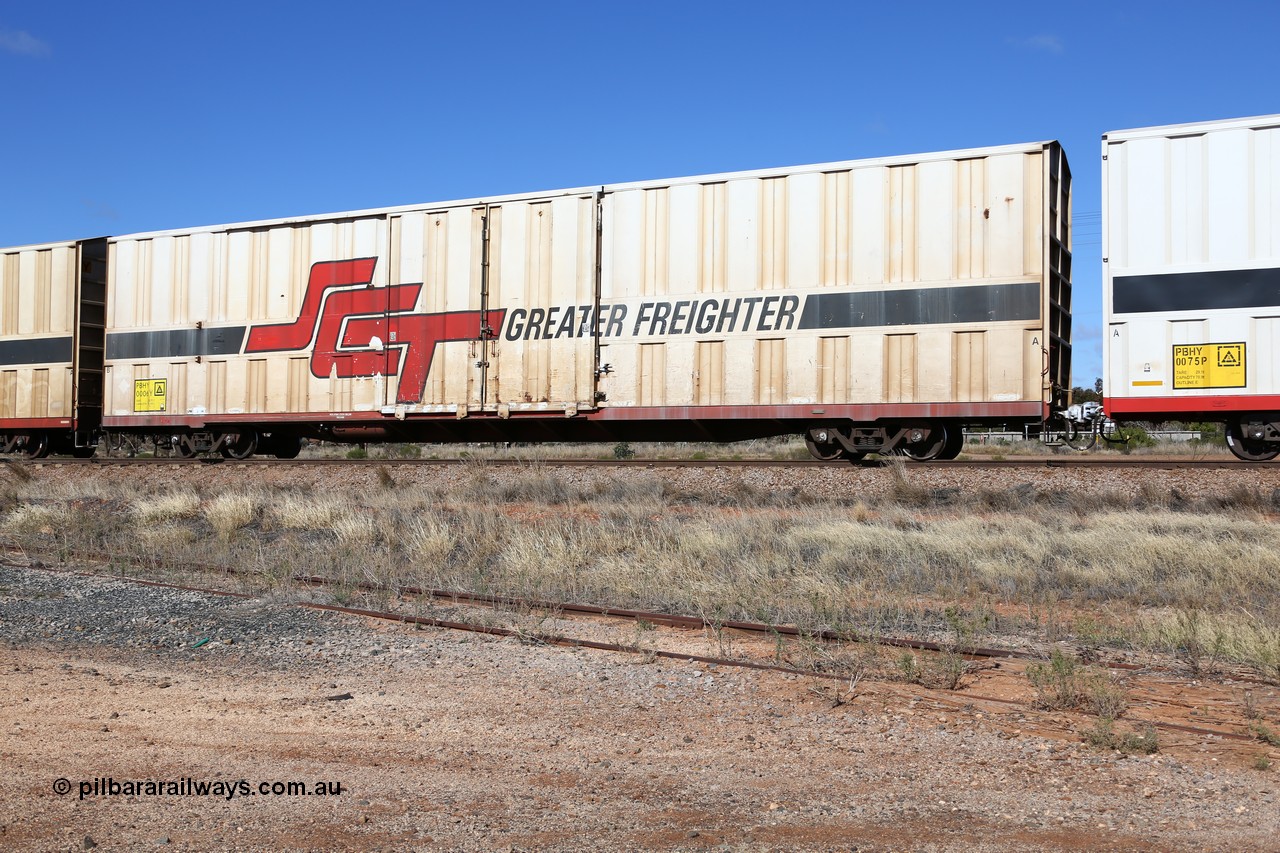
(873, 305)
(1191, 277)
(51, 347)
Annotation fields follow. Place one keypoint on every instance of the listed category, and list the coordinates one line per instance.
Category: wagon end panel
(1057, 277)
(91, 331)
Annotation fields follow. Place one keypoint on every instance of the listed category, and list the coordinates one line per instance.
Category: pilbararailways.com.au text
(188, 787)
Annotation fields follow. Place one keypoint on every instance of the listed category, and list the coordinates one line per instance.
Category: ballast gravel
(449, 741)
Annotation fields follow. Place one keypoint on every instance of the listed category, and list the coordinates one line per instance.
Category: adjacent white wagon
(1191, 277)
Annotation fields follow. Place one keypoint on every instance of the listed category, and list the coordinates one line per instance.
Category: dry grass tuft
(230, 512)
(167, 507)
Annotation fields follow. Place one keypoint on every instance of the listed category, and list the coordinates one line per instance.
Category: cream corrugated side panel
(161, 285)
(1006, 188)
(713, 238)
(624, 247)
(935, 226)
(29, 295)
(1034, 226)
(657, 229)
(833, 369)
(62, 309)
(10, 271)
(8, 393)
(743, 211)
(739, 383)
(869, 225)
(933, 364)
(836, 244)
(801, 369)
(684, 261)
(804, 231)
(900, 368)
(902, 224)
(709, 376)
(771, 371)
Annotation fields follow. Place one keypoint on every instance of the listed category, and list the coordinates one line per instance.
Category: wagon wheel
(287, 446)
(1248, 449)
(930, 447)
(954, 444)
(239, 445)
(37, 445)
(184, 446)
(827, 451)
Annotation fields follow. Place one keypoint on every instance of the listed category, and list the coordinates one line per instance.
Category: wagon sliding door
(542, 297)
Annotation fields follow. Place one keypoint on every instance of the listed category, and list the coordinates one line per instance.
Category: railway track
(680, 622)
(954, 465)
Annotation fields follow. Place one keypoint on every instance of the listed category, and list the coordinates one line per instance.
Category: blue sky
(125, 117)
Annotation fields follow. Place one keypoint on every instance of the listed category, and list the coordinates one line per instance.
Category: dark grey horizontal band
(36, 351)
(1195, 291)
(175, 343)
(919, 306)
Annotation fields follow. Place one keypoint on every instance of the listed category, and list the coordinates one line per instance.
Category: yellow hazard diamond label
(149, 394)
(1209, 365)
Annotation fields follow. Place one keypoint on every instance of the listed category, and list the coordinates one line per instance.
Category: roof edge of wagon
(1192, 127)
(901, 159)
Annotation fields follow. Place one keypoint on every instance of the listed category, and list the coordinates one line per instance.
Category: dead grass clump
(428, 540)
(306, 512)
(641, 489)
(29, 519)
(167, 507)
(230, 512)
(354, 529)
(18, 472)
(533, 485)
(165, 539)
(1240, 498)
(902, 491)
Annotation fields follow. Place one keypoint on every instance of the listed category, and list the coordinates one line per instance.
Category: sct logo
(353, 329)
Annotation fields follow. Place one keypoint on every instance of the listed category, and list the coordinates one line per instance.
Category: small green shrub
(1063, 684)
(1104, 736)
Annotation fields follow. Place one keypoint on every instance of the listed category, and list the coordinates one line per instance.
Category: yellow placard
(149, 394)
(1208, 365)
